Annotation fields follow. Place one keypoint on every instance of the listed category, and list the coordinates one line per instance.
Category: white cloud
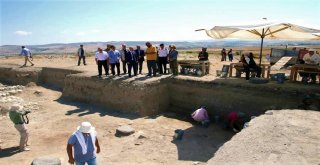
(22, 33)
(80, 34)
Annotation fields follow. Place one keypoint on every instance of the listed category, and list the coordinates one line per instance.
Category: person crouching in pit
(201, 116)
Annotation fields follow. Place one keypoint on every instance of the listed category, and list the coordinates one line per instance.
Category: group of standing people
(224, 55)
(132, 59)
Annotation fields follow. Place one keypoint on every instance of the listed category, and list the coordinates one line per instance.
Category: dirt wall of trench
(144, 99)
(221, 98)
(14, 75)
(55, 77)
(171, 94)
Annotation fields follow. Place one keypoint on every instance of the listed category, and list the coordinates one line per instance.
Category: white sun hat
(16, 107)
(85, 127)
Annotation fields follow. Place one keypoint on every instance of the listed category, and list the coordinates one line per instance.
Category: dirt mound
(278, 137)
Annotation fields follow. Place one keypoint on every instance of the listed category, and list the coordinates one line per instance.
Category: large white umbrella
(286, 31)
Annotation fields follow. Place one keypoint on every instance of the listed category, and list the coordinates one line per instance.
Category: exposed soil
(285, 137)
(57, 119)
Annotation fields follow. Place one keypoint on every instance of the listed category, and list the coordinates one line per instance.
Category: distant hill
(60, 48)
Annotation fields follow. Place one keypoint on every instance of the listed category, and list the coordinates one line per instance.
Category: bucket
(178, 134)
(280, 78)
(225, 70)
(218, 72)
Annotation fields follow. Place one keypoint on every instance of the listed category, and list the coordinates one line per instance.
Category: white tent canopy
(270, 30)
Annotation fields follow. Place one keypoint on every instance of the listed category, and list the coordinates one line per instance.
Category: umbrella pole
(262, 37)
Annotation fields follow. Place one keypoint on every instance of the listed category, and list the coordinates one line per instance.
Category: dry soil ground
(289, 137)
(57, 119)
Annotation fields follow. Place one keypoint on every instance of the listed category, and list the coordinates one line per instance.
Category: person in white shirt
(101, 58)
(311, 58)
(162, 59)
(123, 53)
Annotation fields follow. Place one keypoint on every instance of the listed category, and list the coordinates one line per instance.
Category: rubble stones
(140, 135)
(46, 161)
(7, 97)
(124, 130)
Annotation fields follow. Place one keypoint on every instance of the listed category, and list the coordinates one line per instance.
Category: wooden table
(264, 68)
(309, 68)
(204, 66)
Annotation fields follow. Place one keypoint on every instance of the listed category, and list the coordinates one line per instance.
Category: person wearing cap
(172, 58)
(311, 58)
(162, 59)
(101, 58)
(123, 53)
(203, 55)
(85, 143)
(16, 116)
(151, 54)
(140, 54)
(27, 56)
(81, 55)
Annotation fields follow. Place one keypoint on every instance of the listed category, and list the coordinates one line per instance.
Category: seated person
(203, 55)
(201, 115)
(242, 64)
(311, 58)
(253, 65)
(236, 121)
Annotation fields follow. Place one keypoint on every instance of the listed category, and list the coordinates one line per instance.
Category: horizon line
(208, 40)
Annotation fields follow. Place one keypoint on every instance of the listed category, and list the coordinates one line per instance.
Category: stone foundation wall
(55, 77)
(119, 95)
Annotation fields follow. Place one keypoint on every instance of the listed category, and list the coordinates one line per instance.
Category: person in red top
(236, 120)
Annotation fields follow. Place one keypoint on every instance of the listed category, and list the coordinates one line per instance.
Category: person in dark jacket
(140, 54)
(203, 55)
(253, 65)
(132, 61)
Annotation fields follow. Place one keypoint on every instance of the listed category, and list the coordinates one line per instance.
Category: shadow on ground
(88, 109)
(7, 152)
(200, 144)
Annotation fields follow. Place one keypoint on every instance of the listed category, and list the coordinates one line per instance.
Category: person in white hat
(85, 144)
(311, 58)
(16, 115)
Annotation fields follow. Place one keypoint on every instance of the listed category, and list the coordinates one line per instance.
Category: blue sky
(27, 22)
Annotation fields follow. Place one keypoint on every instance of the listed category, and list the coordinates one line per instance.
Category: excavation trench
(152, 97)
(160, 96)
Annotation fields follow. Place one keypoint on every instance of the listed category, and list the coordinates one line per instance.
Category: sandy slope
(285, 137)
